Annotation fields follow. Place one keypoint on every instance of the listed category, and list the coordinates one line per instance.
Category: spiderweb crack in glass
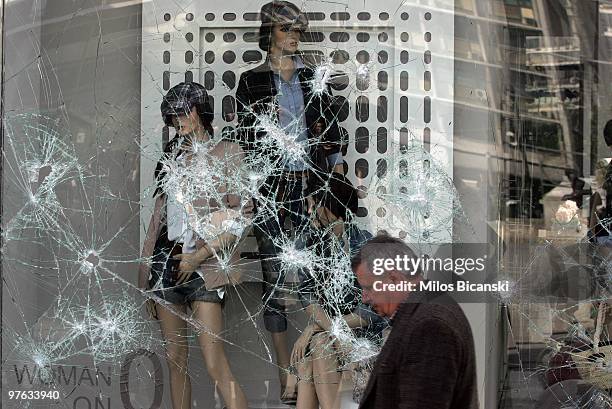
(323, 74)
(202, 184)
(421, 197)
(293, 259)
(277, 141)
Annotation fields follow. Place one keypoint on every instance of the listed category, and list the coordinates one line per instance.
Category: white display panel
(408, 43)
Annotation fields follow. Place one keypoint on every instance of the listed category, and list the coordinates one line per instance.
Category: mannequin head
(186, 107)
(337, 203)
(282, 23)
(285, 40)
(188, 124)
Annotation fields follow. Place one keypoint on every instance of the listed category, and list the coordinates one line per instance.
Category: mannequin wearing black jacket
(283, 84)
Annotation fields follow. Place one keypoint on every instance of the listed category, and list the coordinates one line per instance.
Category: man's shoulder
(437, 309)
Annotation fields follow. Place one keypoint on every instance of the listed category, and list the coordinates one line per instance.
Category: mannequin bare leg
(318, 376)
(307, 395)
(175, 335)
(279, 340)
(325, 370)
(287, 380)
(210, 315)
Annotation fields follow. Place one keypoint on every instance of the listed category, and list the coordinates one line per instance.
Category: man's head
(336, 201)
(281, 26)
(366, 263)
(186, 107)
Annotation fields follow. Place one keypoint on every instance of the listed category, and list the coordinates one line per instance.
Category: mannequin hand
(189, 262)
(219, 216)
(151, 309)
(339, 168)
(310, 204)
(300, 346)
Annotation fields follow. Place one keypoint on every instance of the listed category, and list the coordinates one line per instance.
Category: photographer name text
(435, 286)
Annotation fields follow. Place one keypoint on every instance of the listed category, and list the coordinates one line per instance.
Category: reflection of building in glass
(543, 54)
(539, 70)
(605, 11)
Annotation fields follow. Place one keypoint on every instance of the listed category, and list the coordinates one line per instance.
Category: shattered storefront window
(186, 184)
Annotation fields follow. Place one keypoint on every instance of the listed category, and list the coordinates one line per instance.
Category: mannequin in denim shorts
(315, 354)
(179, 257)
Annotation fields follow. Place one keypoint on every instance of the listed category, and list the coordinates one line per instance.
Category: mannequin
(181, 271)
(284, 84)
(316, 352)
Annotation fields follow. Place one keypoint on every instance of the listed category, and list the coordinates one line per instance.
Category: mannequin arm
(149, 243)
(323, 322)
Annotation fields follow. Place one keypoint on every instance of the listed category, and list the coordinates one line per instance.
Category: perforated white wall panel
(405, 46)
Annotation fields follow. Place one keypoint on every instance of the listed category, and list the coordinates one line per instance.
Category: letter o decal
(124, 383)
